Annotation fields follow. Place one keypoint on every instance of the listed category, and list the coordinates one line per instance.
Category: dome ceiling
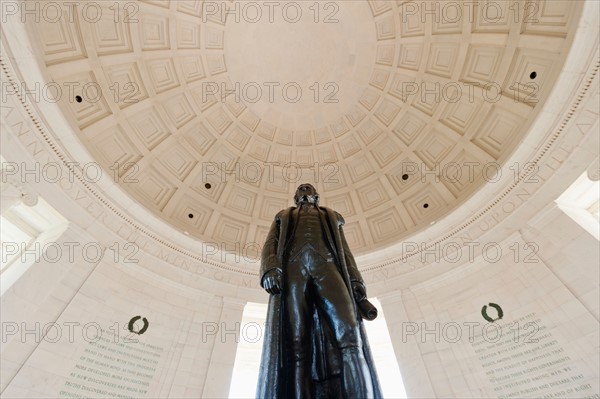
(396, 115)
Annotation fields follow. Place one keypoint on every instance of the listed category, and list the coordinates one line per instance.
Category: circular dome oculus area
(301, 73)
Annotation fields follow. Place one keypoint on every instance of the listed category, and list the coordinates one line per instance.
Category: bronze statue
(315, 344)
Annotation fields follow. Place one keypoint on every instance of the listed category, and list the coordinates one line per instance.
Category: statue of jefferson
(315, 344)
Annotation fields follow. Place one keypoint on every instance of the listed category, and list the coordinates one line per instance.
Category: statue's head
(306, 193)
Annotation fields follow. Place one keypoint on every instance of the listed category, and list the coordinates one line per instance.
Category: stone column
(414, 373)
(218, 377)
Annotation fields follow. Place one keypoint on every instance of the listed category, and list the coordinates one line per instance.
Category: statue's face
(306, 193)
(305, 189)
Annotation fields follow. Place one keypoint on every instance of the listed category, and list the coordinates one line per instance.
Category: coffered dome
(395, 112)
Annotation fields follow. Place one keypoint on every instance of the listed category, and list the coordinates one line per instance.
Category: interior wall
(66, 331)
(38, 298)
(545, 344)
(570, 252)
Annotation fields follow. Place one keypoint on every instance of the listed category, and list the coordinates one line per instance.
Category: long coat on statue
(326, 358)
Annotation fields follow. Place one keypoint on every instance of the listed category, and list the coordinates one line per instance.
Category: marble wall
(545, 281)
(66, 330)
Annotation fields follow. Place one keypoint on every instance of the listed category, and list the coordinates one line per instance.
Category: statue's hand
(272, 282)
(359, 290)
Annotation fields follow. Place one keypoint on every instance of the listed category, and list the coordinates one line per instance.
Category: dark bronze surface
(315, 344)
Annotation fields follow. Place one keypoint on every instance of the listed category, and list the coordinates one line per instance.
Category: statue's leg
(298, 381)
(334, 299)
